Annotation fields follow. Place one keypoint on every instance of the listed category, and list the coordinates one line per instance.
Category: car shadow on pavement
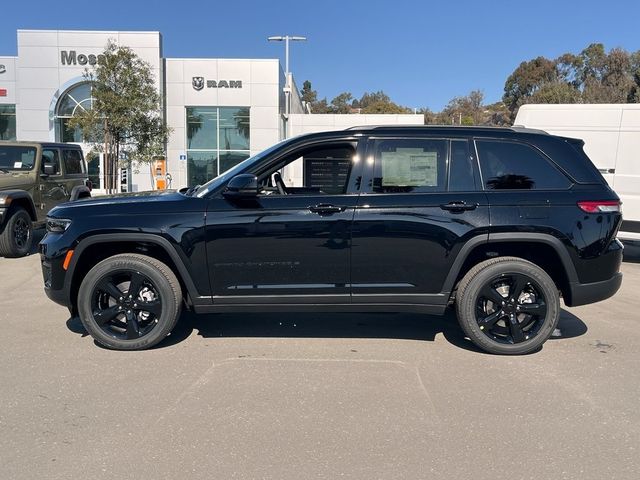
(331, 325)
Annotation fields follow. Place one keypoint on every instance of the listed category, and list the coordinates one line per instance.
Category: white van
(611, 133)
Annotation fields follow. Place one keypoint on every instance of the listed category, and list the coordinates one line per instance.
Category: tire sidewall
(10, 239)
(170, 305)
(466, 308)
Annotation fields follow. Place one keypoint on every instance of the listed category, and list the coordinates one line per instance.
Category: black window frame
(63, 162)
(59, 155)
(289, 155)
(536, 149)
(370, 162)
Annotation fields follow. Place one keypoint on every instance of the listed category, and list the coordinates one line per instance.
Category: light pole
(288, 84)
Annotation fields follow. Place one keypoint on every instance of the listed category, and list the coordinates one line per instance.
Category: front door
(53, 189)
(291, 243)
(422, 202)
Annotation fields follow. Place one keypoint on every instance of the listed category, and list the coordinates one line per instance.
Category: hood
(138, 203)
(17, 181)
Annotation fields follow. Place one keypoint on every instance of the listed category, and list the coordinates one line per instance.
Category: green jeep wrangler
(35, 177)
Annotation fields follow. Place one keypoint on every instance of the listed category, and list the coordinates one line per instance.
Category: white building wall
(8, 80)
(260, 92)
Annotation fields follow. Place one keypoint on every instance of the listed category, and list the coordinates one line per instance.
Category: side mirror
(49, 169)
(244, 185)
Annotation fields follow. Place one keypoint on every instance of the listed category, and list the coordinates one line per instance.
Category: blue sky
(421, 53)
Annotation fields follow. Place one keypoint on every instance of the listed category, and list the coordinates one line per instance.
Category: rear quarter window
(507, 165)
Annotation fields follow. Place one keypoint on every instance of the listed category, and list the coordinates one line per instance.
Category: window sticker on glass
(409, 167)
(17, 165)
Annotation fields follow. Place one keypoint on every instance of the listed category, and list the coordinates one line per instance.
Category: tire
(122, 320)
(17, 236)
(507, 306)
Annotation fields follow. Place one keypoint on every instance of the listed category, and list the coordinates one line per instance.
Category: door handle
(458, 206)
(326, 209)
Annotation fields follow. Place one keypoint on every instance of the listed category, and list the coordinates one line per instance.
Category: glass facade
(217, 139)
(7, 122)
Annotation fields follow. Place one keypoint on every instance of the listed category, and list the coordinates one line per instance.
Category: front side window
(218, 138)
(17, 158)
(72, 162)
(50, 157)
(410, 165)
(319, 170)
(517, 166)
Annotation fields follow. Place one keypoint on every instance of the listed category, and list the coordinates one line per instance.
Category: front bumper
(585, 293)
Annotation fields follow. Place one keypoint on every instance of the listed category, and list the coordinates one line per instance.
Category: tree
(341, 103)
(378, 102)
(465, 110)
(526, 80)
(310, 97)
(126, 121)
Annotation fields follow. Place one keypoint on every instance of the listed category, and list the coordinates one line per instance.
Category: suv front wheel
(507, 306)
(16, 238)
(129, 301)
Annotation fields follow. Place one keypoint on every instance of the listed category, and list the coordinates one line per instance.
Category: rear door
(421, 202)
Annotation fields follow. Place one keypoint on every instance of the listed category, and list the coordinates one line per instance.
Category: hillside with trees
(591, 76)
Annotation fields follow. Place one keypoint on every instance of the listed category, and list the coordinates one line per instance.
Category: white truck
(611, 133)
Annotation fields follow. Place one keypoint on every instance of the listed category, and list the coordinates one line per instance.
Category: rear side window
(410, 165)
(517, 166)
(72, 162)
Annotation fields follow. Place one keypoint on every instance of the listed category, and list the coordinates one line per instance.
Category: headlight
(4, 200)
(57, 225)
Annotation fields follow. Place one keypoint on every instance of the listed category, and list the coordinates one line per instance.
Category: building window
(217, 139)
(7, 122)
(77, 98)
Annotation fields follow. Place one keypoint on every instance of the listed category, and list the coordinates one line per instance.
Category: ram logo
(198, 83)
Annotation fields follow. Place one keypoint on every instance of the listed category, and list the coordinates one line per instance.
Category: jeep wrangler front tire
(17, 236)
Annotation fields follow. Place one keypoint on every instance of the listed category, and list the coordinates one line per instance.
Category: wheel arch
(544, 250)
(95, 248)
(21, 198)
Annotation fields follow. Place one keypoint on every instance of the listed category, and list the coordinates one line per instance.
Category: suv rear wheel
(129, 302)
(507, 305)
(17, 236)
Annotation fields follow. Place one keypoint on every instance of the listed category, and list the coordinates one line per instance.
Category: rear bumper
(584, 293)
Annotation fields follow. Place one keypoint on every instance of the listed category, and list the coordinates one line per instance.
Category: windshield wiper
(4, 170)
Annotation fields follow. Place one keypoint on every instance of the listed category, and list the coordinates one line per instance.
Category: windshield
(14, 157)
(239, 168)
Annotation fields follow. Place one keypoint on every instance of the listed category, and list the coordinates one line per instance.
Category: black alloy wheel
(22, 233)
(129, 301)
(126, 305)
(17, 235)
(507, 305)
(511, 308)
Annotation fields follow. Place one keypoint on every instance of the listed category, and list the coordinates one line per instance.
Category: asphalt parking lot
(315, 396)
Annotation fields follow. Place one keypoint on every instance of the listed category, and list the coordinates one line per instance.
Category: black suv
(498, 221)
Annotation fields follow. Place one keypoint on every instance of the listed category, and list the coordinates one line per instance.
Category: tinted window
(17, 158)
(50, 157)
(410, 165)
(72, 162)
(461, 168)
(317, 170)
(516, 166)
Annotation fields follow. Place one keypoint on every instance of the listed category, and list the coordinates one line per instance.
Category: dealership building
(220, 110)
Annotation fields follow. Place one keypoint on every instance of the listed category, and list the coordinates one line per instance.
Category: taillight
(601, 206)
